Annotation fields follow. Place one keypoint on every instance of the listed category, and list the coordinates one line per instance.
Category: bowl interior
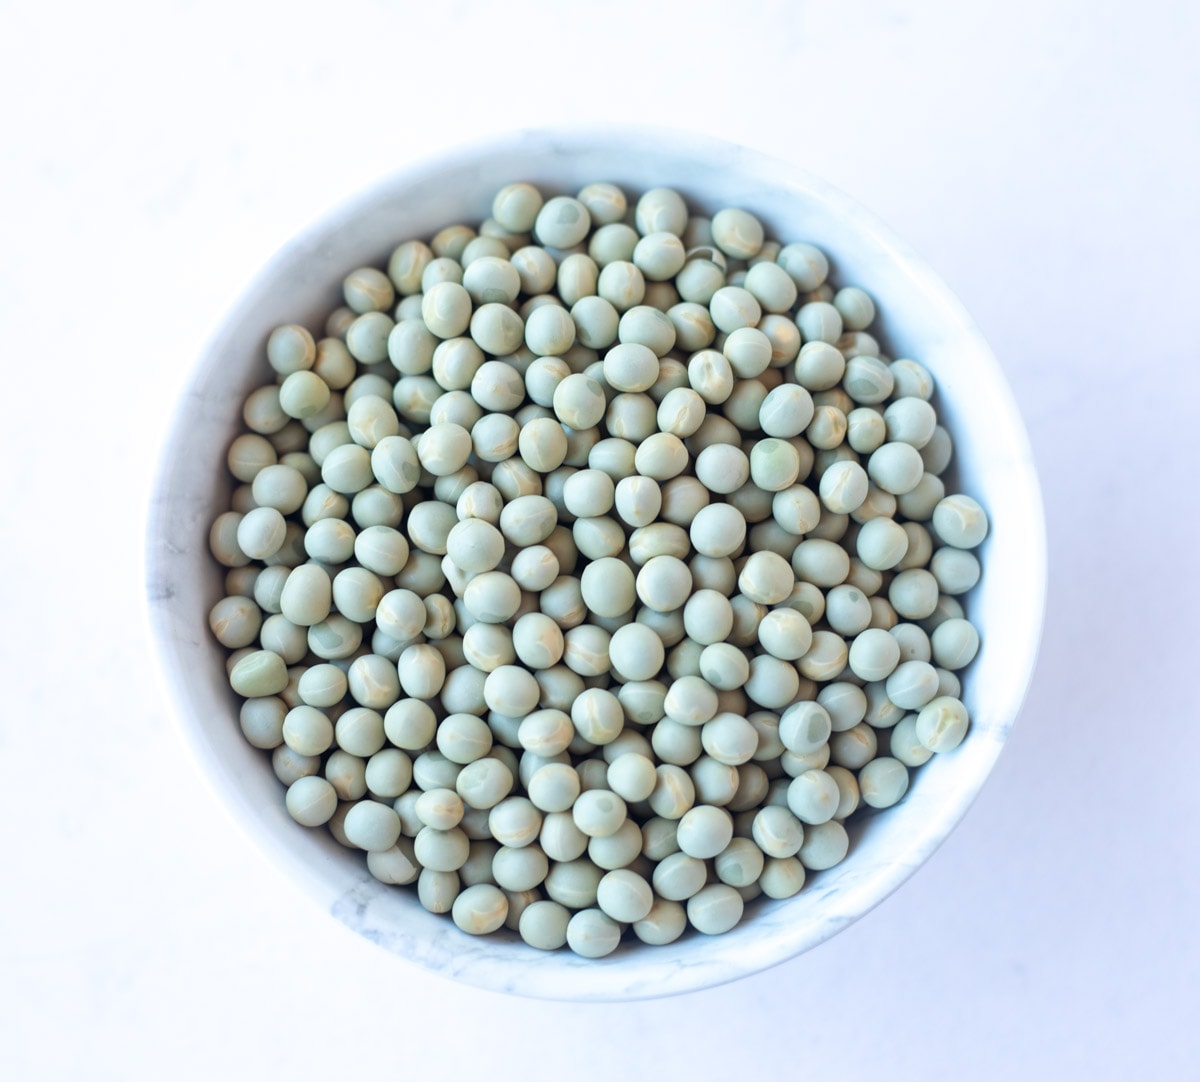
(918, 318)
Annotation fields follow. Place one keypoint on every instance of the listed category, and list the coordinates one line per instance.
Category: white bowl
(919, 318)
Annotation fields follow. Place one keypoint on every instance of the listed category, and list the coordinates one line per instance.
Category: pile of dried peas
(594, 567)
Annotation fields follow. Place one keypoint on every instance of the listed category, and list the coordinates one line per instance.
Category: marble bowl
(920, 318)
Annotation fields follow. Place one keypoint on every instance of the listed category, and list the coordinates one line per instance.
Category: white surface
(1041, 157)
(993, 464)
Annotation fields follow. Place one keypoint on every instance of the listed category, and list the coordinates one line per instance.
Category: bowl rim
(616, 978)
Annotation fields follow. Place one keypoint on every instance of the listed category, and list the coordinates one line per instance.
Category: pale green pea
(333, 363)
(786, 411)
(881, 712)
(542, 377)
(407, 263)
(807, 265)
(598, 813)
(643, 325)
(480, 909)
(911, 379)
(441, 850)
(737, 233)
(248, 454)
(511, 690)
(624, 895)
(261, 721)
(388, 773)
(942, 724)
(367, 337)
(483, 247)
(674, 792)
(562, 222)
(693, 325)
(280, 486)
(290, 348)
(844, 486)
(920, 503)
(597, 322)
(605, 202)
(356, 593)
(937, 453)
(422, 670)
(289, 765)
(436, 891)
(515, 207)
(883, 782)
(740, 864)
(910, 420)
(729, 739)
(715, 909)
(774, 464)
(259, 673)
(372, 826)
(960, 521)
(676, 743)
(335, 637)
(311, 801)
(804, 727)
(659, 256)
(612, 242)
(618, 850)
(440, 270)
(955, 643)
(591, 933)
(636, 652)
(578, 277)
(497, 329)
(536, 270)
(699, 281)
(235, 621)
(825, 659)
(400, 614)
(718, 530)
(732, 307)
(904, 744)
(771, 286)
(475, 545)
(819, 561)
(373, 683)
(825, 845)
(579, 401)
(520, 869)
(913, 684)
(881, 543)
(913, 593)
(847, 609)
(622, 284)
(376, 506)
(439, 809)
(347, 469)
(550, 330)
(586, 650)
(359, 732)
(446, 311)
(447, 243)
(827, 429)
(484, 783)
(777, 832)
(855, 747)
(796, 509)
(262, 413)
(783, 878)
(819, 323)
(868, 381)
(494, 437)
(920, 547)
(661, 210)
(543, 925)
(773, 683)
(679, 876)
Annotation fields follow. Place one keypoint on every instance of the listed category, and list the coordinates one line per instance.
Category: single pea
(912, 684)
(942, 724)
(608, 587)
(562, 222)
(259, 673)
(624, 895)
(960, 521)
(819, 322)
(591, 933)
(806, 264)
(813, 797)
(372, 826)
(311, 801)
(480, 909)
(874, 654)
(783, 878)
(715, 909)
(777, 832)
(883, 782)
(955, 643)
(896, 468)
(825, 845)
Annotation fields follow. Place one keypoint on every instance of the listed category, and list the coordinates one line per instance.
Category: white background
(1042, 156)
